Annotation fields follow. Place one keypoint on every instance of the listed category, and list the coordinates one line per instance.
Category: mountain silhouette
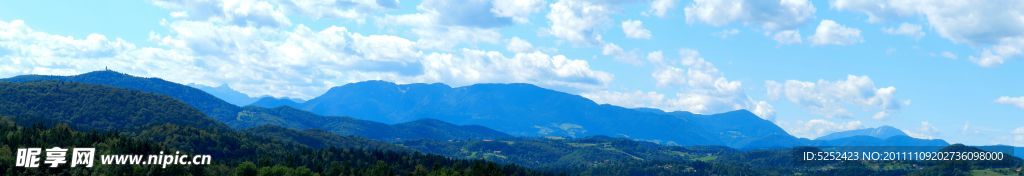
(249, 117)
(226, 93)
(272, 102)
(528, 110)
(881, 132)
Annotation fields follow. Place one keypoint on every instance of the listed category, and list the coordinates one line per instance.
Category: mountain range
(237, 98)
(431, 129)
(271, 102)
(202, 101)
(94, 107)
(248, 117)
(528, 110)
(882, 132)
(124, 121)
(226, 93)
(384, 110)
(171, 114)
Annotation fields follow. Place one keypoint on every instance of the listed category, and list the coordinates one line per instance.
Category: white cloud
(661, 7)
(989, 135)
(948, 55)
(23, 40)
(575, 21)
(767, 15)
(726, 33)
(382, 47)
(298, 63)
(906, 29)
(1015, 101)
(480, 13)
(1018, 136)
(432, 33)
(243, 13)
(474, 66)
(960, 21)
(697, 103)
(815, 128)
(634, 99)
(994, 26)
(518, 10)
(344, 9)
(831, 98)
(928, 128)
(271, 13)
(250, 59)
(701, 89)
(877, 10)
(975, 22)
(335, 56)
(997, 54)
(925, 131)
(695, 73)
(668, 76)
(518, 45)
(33, 52)
(635, 29)
(472, 13)
(656, 57)
(831, 33)
(387, 3)
(763, 109)
(967, 129)
(788, 37)
(611, 49)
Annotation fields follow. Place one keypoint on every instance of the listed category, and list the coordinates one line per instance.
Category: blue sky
(936, 69)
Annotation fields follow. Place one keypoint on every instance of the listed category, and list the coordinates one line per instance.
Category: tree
(246, 169)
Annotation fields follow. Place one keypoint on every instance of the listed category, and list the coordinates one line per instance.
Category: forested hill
(266, 161)
(620, 156)
(528, 110)
(134, 122)
(252, 116)
(288, 117)
(86, 106)
(202, 101)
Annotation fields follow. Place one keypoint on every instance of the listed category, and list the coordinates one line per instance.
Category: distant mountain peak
(199, 99)
(428, 121)
(531, 110)
(226, 93)
(369, 83)
(887, 128)
(373, 82)
(881, 132)
(388, 84)
(224, 87)
(104, 72)
(889, 131)
(271, 102)
(108, 73)
(742, 113)
(520, 86)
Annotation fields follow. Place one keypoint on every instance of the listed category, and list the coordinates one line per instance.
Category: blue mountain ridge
(273, 102)
(249, 117)
(517, 109)
(204, 102)
(881, 132)
(528, 110)
(226, 93)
